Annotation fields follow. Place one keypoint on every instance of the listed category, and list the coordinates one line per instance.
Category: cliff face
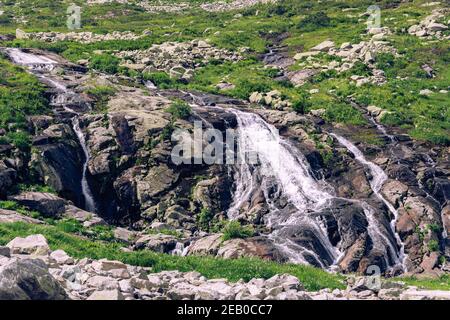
(124, 155)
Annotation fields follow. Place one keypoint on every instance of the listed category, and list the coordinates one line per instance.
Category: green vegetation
(21, 95)
(234, 230)
(306, 23)
(105, 63)
(204, 219)
(233, 270)
(101, 95)
(439, 283)
(179, 109)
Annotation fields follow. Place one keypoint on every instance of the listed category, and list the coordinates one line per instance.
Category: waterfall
(379, 177)
(282, 173)
(88, 198)
(37, 65)
(295, 198)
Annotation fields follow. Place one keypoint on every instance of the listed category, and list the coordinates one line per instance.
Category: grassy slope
(425, 118)
(21, 95)
(233, 270)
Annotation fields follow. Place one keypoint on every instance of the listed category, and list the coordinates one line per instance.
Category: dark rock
(46, 203)
(124, 135)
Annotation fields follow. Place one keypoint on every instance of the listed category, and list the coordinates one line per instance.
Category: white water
(379, 177)
(88, 198)
(279, 166)
(382, 129)
(282, 172)
(33, 61)
(36, 64)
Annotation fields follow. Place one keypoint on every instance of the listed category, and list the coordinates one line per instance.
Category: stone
(9, 216)
(162, 243)
(61, 257)
(107, 265)
(425, 92)
(307, 54)
(430, 261)
(29, 279)
(32, 245)
(124, 235)
(106, 295)
(433, 26)
(208, 245)
(102, 283)
(46, 203)
(5, 251)
(255, 97)
(324, 46)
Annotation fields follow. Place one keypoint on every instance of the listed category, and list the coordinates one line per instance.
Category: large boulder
(324, 46)
(208, 245)
(29, 279)
(45, 203)
(8, 178)
(34, 244)
(157, 242)
(254, 247)
(8, 216)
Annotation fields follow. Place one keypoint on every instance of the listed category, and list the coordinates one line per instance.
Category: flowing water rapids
(296, 198)
(379, 177)
(39, 65)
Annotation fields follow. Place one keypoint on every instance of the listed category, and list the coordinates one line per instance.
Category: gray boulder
(29, 279)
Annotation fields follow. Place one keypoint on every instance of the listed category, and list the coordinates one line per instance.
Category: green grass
(233, 270)
(440, 283)
(21, 95)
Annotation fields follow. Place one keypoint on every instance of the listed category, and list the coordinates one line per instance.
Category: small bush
(105, 63)
(234, 230)
(343, 113)
(160, 79)
(179, 109)
(301, 104)
(315, 21)
(204, 219)
(433, 245)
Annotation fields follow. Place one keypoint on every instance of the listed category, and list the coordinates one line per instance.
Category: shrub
(179, 109)
(204, 219)
(343, 113)
(160, 79)
(301, 104)
(234, 229)
(105, 63)
(315, 21)
(433, 245)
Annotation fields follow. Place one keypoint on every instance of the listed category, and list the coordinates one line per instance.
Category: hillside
(289, 147)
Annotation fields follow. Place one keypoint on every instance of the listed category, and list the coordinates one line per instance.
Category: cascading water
(38, 65)
(379, 177)
(282, 172)
(88, 198)
(295, 198)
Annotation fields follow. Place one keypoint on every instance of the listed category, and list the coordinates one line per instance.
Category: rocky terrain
(30, 270)
(346, 178)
